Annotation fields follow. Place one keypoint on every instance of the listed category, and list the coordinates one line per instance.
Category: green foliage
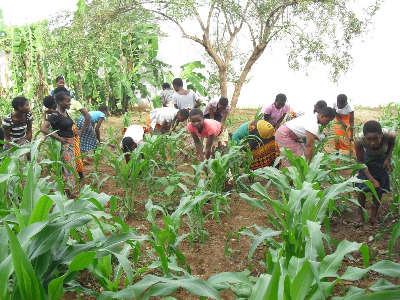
(196, 81)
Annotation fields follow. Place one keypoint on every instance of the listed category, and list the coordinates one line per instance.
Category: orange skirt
(343, 135)
(148, 122)
(77, 150)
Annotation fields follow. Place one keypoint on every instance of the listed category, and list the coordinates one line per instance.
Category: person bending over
(374, 147)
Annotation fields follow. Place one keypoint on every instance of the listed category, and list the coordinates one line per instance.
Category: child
(275, 112)
(214, 136)
(50, 105)
(165, 119)
(60, 82)
(374, 147)
(290, 134)
(91, 135)
(319, 105)
(184, 98)
(74, 110)
(217, 110)
(344, 113)
(132, 138)
(60, 120)
(18, 125)
(166, 95)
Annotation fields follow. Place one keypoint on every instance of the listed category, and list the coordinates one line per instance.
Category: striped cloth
(17, 131)
(77, 150)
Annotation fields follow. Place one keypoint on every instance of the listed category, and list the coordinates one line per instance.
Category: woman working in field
(290, 134)
(374, 147)
(261, 139)
(344, 113)
(165, 119)
(18, 124)
(74, 111)
(133, 136)
(60, 120)
(90, 137)
(215, 137)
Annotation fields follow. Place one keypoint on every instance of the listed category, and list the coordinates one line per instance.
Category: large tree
(235, 33)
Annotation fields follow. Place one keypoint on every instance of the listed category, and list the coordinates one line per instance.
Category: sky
(373, 79)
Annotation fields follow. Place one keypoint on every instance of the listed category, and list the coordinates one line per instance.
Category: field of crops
(162, 228)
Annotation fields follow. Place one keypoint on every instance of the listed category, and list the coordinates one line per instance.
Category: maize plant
(312, 276)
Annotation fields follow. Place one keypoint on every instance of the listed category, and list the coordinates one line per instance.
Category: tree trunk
(223, 82)
(253, 58)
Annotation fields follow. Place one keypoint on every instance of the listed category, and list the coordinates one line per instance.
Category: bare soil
(207, 259)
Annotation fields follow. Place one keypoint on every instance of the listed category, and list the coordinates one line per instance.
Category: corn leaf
(28, 284)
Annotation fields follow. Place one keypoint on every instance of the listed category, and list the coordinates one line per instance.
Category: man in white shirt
(184, 98)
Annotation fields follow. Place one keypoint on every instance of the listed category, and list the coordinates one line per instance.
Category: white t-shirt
(161, 114)
(136, 132)
(345, 110)
(185, 101)
(302, 124)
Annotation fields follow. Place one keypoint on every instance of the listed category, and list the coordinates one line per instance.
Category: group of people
(78, 130)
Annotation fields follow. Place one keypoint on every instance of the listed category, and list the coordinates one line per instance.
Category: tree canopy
(235, 33)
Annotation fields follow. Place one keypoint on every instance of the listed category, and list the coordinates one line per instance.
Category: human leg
(360, 213)
(374, 210)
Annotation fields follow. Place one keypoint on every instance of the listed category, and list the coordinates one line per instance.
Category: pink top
(210, 127)
(275, 114)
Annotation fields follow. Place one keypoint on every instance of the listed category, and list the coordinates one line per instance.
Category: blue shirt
(69, 92)
(96, 115)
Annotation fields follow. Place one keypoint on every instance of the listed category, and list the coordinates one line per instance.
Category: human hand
(62, 140)
(386, 165)
(78, 132)
(376, 184)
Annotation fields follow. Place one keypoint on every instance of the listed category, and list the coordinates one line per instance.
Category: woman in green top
(261, 140)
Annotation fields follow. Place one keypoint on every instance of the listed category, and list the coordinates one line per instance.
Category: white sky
(373, 79)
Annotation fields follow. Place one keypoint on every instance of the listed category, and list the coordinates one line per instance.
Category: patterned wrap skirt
(88, 139)
(78, 162)
(286, 138)
(342, 135)
(375, 167)
(68, 157)
(262, 145)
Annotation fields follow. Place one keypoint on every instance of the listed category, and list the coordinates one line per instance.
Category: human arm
(278, 123)
(29, 131)
(267, 117)
(198, 103)
(164, 103)
(211, 113)
(97, 129)
(87, 116)
(351, 138)
(46, 131)
(224, 118)
(392, 141)
(360, 159)
(309, 147)
(198, 146)
(164, 127)
(209, 142)
(340, 120)
(7, 137)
